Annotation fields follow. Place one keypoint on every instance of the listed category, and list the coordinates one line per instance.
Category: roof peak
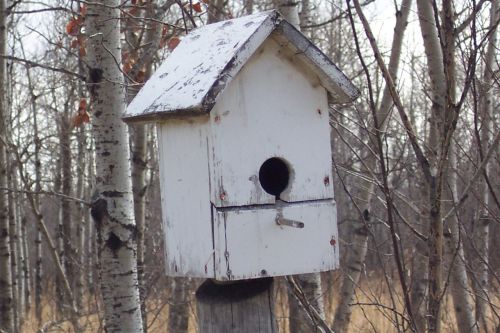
(191, 79)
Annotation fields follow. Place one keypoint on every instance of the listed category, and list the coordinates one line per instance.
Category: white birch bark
(6, 306)
(90, 245)
(14, 254)
(359, 241)
(290, 11)
(59, 292)
(81, 218)
(483, 219)
(419, 256)
(22, 292)
(438, 94)
(38, 188)
(459, 281)
(112, 206)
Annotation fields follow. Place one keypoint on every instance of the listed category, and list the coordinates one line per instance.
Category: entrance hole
(274, 176)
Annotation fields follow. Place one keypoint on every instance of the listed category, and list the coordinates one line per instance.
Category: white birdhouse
(242, 114)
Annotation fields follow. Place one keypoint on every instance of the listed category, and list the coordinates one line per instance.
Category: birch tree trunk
(459, 280)
(38, 188)
(462, 304)
(439, 94)
(66, 185)
(6, 306)
(112, 204)
(80, 216)
(482, 223)
(138, 132)
(359, 241)
(14, 254)
(59, 292)
(419, 256)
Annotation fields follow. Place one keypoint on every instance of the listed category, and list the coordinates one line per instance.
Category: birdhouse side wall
(185, 193)
(274, 107)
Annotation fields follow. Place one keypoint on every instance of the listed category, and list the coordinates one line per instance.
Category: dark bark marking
(99, 210)
(95, 77)
(366, 215)
(114, 243)
(112, 194)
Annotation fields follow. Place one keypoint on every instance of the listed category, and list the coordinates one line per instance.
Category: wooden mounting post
(236, 307)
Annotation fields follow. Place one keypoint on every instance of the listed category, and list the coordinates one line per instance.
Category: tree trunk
(248, 7)
(90, 234)
(459, 284)
(112, 203)
(66, 222)
(139, 140)
(80, 217)
(439, 92)
(299, 320)
(215, 11)
(26, 268)
(481, 234)
(14, 240)
(38, 188)
(359, 241)
(459, 281)
(59, 292)
(6, 306)
(290, 11)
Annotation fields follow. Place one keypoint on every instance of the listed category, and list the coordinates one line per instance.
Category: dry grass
(365, 318)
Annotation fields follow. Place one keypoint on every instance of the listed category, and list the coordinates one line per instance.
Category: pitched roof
(203, 64)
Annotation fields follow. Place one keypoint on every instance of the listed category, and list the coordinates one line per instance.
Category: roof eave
(334, 80)
(159, 116)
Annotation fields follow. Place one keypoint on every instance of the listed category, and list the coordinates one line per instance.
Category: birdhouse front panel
(250, 244)
(273, 108)
(270, 159)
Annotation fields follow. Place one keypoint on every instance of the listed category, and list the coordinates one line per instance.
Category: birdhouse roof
(190, 80)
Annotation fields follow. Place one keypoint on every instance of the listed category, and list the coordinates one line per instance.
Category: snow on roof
(202, 65)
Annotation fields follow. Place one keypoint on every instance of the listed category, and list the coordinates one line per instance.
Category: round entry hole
(274, 176)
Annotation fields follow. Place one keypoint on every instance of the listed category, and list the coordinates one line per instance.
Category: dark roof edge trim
(336, 82)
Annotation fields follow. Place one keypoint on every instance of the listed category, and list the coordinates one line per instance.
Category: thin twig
(36, 64)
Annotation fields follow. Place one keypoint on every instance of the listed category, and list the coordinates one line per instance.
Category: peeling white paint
(199, 69)
(266, 87)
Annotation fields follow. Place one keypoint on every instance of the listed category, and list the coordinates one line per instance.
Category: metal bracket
(280, 220)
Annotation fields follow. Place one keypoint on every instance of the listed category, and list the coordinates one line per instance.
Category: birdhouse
(242, 114)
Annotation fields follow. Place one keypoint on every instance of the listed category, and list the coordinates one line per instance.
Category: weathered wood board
(250, 244)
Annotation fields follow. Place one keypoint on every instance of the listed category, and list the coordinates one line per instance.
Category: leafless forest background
(415, 158)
